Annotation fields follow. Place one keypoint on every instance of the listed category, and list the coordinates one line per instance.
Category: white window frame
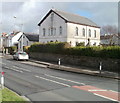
(89, 32)
(76, 34)
(60, 30)
(83, 32)
(44, 31)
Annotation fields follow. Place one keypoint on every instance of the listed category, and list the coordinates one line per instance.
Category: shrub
(64, 48)
(51, 47)
(81, 44)
(12, 49)
(26, 48)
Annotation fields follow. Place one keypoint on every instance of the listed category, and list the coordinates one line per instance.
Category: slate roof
(103, 37)
(73, 18)
(32, 37)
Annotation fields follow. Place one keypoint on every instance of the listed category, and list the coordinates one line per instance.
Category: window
(76, 31)
(20, 44)
(51, 31)
(54, 31)
(43, 31)
(60, 30)
(95, 33)
(27, 43)
(52, 16)
(83, 32)
(89, 33)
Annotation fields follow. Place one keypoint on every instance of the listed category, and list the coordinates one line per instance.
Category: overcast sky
(28, 14)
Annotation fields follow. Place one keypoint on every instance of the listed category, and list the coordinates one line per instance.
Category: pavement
(78, 69)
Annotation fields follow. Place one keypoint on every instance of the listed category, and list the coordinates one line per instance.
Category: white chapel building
(59, 26)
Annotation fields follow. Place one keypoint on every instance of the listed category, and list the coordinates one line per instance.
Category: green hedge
(51, 47)
(11, 49)
(104, 52)
(64, 48)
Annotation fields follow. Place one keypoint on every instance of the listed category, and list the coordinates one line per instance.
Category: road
(39, 83)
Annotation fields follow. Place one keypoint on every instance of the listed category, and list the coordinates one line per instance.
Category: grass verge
(8, 95)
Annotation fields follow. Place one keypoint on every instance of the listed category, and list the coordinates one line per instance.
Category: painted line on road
(53, 81)
(21, 69)
(113, 91)
(104, 97)
(16, 70)
(64, 79)
(13, 69)
(100, 92)
(97, 90)
(2, 63)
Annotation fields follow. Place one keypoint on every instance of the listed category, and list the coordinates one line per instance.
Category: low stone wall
(91, 62)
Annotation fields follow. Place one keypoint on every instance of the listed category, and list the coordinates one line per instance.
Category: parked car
(21, 56)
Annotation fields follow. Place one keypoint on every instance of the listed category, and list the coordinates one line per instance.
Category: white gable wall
(14, 40)
(57, 22)
(23, 41)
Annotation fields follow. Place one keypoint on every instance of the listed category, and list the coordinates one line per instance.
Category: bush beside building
(65, 49)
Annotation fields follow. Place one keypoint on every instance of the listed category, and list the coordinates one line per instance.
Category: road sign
(2, 73)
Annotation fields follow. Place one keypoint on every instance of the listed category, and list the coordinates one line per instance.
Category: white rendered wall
(71, 32)
(57, 22)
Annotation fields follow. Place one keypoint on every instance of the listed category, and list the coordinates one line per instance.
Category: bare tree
(109, 29)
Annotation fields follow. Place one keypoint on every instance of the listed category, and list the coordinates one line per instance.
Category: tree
(109, 29)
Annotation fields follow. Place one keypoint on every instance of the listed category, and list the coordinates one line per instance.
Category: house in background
(26, 40)
(113, 39)
(66, 27)
(2, 36)
(11, 39)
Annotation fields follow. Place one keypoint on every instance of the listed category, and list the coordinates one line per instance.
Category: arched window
(52, 16)
(83, 31)
(60, 30)
(54, 31)
(76, 31)
(89, 33)
(43, 31)
(51, 31)
(95, 33)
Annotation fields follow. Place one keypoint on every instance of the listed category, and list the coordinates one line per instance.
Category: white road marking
(21, 68)
(53, 81)
(17, 70)
(97, 90)
(2, 63)
(64, 79)
(104, 97)
(113, 91)
(14, 69)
